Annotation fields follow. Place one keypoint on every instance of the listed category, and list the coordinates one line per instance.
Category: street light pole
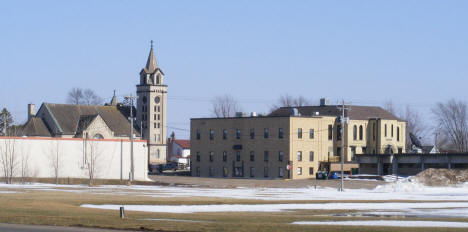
(342, 123)
(132, 167)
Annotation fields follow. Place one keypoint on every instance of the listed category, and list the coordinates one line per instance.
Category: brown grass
(62, 208)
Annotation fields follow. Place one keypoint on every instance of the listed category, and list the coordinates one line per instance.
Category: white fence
(74, 158)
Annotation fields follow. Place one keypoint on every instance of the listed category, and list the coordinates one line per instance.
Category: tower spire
(151, 64)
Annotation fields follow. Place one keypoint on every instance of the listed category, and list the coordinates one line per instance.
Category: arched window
(355, 132)
(360, 132)
(98, 136)
(392, 131)
(158, 79)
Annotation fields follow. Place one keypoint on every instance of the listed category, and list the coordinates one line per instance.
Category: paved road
(35, 228)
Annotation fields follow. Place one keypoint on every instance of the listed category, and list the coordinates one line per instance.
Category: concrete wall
(112, 157)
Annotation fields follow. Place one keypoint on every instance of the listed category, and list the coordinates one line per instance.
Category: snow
(388, 223)
(404, 189)
(461, 207)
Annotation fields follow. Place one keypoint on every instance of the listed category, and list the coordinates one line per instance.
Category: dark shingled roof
(35, 127)
(356, 112)
(68, 117)
(84, 122)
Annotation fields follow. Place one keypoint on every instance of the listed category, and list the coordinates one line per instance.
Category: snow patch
(392, 223)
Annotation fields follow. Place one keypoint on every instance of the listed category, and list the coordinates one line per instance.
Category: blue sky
(367, 52)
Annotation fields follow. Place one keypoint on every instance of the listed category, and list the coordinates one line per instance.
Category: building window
(252, 156)
(225, 134)
(280, 156)
(225, 171)
(198, 134)
(159, 125)
(398, 134)
(211, 171)
(311, 171)
(158, 137)
(155, 109)
(280, 133)
(299, 156)
(400, 150)
(299, 171)
(311, 156)
(198, 171)
(238, 156)
(338, 132)
(159, 117)
(353, 152)
(252, 133)
(280, 172)
(265, 171)
(360, 133)
(155, 125)
(330, 132)
(238, 133)
(154, 116)
(266, 133)
(392, 131)
(354, 132)
(198, 156)
(158, 154)
(299, 133)
(265, 156)
(385, 132)
(224, 156)
(338, 151)
(364, 150)
(311, 133)
(373, 131)
(211, 156)
(211, 134)
(252, 172)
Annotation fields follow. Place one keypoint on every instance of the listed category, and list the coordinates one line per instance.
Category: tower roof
(151, 64)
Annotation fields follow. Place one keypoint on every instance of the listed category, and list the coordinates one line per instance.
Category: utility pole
(344, 120)
(132, 168)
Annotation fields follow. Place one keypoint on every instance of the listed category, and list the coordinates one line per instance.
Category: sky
(414, 53)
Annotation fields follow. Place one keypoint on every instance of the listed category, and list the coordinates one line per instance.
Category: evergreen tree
(5, 121)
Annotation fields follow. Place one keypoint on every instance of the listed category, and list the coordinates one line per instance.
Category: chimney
(31, 111)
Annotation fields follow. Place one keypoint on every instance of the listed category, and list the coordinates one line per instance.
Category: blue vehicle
(333, 175)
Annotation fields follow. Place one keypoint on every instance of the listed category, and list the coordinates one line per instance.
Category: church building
(110, 121)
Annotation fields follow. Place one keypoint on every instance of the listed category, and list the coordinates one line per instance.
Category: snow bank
(389, 223)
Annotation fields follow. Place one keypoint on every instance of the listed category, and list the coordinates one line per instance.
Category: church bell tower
(151, 109)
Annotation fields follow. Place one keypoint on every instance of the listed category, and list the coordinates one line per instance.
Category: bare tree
(75, 96)
(414, 124)
(289, 101)
(93, 160)
(24, 163)
(91, 98)
(79, 96)
(390, 107)
(452, 122)
(225, 106)
(8, 159)
(55, 159)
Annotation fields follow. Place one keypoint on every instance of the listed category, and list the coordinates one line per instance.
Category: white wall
(112, 157)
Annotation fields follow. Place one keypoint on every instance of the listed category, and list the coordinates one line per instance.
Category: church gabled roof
(68, 117)
(35, 127)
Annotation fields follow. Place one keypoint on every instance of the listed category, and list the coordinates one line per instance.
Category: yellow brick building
(291, 143)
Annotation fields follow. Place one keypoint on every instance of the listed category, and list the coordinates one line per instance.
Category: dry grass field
(27, 206)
